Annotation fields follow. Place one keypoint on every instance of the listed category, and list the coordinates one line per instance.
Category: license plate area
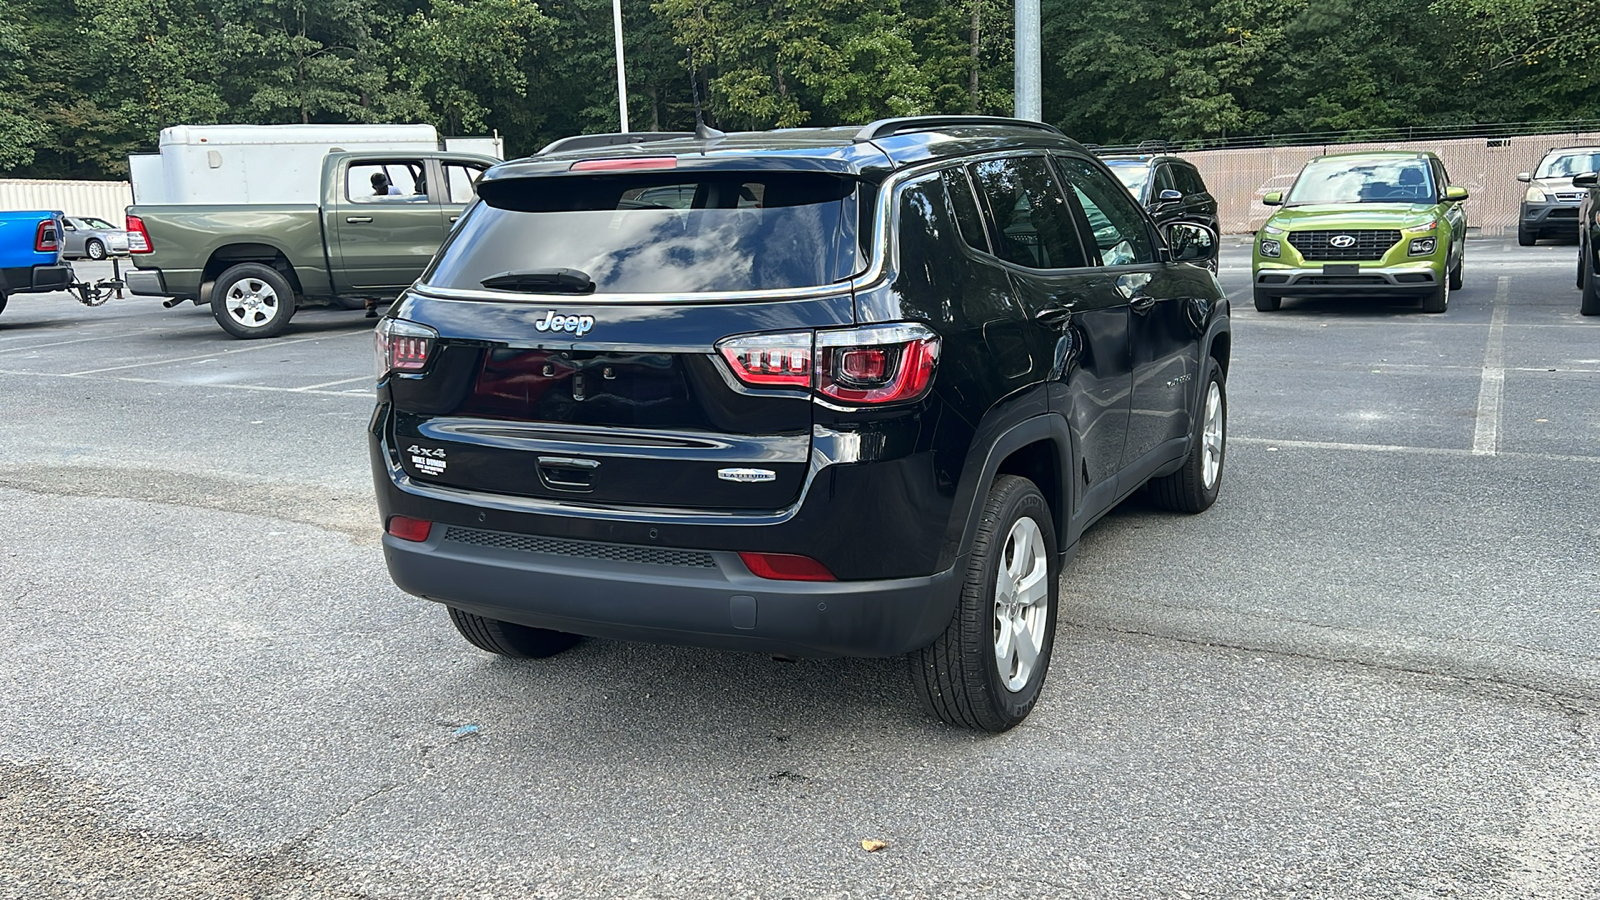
(1341, 269)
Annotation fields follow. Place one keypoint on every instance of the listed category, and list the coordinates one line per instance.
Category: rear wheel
(1194, 487)
(986, 670)
(1526, 237)
(1267, 302)
(509, 639)
(95, 249)
(252, 301)
(1589, 305)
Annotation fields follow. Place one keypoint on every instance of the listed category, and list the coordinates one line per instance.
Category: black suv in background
(1169, 187)
(840, 391)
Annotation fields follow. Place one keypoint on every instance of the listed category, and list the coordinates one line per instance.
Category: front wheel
(252, 301)
(1438, 299)
(1194, 487)
(95, 249)
(986, 670)
(1266, 302)
(3, 299)
(1590, 303)
(1455, 271)
(509, 639)
(1525, 237)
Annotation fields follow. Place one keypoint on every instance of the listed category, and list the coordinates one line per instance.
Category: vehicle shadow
(1354, 307)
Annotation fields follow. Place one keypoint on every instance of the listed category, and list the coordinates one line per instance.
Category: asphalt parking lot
(1371, 670)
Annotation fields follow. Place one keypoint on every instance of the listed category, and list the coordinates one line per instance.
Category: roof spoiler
(591, 141)
(886, 127)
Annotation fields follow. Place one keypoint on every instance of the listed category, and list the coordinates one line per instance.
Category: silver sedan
(87, 236)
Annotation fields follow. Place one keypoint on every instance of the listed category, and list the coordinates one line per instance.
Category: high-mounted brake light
(786, 567)
(45, 240)
(402, 346)
(872, 365)
(408, 529)
(629, 164)
(138, 236)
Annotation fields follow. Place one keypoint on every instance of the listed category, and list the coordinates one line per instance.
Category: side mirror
(1524, 177)
(1168, 196)
(1191, 242)
(1273, 198)
(1585, 181)
(1454, 194)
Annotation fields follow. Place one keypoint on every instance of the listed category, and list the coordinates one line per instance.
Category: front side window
(1363, 181)
(397, 181)
(660, 232)
(1114, 219)
(1033, 226)
(1164, 181)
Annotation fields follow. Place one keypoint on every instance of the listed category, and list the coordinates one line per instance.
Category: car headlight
(1270, 248)
(1535, 195)
(1423, 246)
(1271, 229)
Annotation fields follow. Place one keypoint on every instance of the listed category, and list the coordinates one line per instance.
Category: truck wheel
(1194, 487)
(509, 639)
(251, 300)
(1267, 302)
(95, 249)
(1525, 237)
(985, 671)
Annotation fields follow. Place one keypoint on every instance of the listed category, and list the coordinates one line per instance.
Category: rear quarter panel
(17, 233)
(185, 237)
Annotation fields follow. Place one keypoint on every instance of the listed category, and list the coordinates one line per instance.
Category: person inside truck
(381, 186)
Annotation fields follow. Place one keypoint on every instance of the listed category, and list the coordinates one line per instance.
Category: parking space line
(1486, 436)
(1395, 448)
(325, 384)
(212, 355)
(367, 394)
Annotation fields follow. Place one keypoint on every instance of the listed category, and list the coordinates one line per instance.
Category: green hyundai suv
(1360, 224)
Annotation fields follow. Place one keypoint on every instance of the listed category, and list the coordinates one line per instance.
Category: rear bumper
(146, 283)
(659, 595)
(35, 279)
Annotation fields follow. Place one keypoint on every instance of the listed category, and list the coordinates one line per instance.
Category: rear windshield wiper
(542, 281)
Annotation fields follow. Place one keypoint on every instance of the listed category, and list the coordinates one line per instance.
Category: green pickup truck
(382, 217)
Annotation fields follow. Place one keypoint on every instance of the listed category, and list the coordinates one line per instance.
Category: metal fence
(108, 200)
(1486, 166)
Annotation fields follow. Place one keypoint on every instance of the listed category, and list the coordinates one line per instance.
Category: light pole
(1026, 96)
(622, 73)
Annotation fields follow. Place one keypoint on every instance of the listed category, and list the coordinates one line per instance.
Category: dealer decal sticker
(429, 461)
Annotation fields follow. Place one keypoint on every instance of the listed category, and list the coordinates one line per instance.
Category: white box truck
(270, 163)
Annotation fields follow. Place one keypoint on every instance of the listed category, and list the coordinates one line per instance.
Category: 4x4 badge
(552, 321)
(428, 460)
(747, 476)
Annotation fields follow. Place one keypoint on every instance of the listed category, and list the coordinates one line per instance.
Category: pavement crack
(310, 834)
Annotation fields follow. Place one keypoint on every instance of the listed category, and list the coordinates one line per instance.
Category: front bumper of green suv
(1305, 263)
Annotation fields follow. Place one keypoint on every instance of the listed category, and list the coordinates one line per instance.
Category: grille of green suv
(1320, 245)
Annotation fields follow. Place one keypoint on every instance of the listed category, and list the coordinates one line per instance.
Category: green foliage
(83, 84)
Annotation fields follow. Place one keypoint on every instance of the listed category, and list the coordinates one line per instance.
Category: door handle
(358, 220)
(453, 218)
(1141, 303)
(1053, 316)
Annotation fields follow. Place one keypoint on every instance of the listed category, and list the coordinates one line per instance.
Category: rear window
(661, 232)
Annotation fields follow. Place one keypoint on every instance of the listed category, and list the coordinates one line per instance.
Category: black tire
(958, 676)
(1267, 302)
(261, 308)
(94, 248)
(1438, 299)
(1525, 237)
(1194, 487)
(1455, 271)
(1583, 260)
(3, 299)
(509, 639)
(1589, 304)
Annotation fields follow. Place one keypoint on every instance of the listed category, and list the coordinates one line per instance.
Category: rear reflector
(786, 567)
(408, 529)
(625, 165)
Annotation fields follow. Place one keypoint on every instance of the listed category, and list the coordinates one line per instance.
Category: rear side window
(965, 208)
(660, 232)
(1033, 226)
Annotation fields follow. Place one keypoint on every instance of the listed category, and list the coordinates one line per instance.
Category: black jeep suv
(841, 391)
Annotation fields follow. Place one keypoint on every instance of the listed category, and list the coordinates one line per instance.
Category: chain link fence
(1486, 166)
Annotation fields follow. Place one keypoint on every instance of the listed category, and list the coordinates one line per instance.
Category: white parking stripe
(312, 387)
(1271, 443)
(1486, 436)
(212, 355)
(366, 393)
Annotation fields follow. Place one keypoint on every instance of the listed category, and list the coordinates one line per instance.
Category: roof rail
(591, 141)
(886, 127)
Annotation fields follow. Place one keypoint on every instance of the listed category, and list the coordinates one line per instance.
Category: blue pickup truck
(30, 254)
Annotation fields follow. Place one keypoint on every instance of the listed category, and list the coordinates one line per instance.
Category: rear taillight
(402, 347)
(138, 236)
(871, 365)
(408, 529)
(786, 567)
(45, 240)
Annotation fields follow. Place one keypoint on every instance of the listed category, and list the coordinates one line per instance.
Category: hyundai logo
(1342, 241)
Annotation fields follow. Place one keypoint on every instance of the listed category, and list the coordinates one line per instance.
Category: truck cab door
(460, 179)
(388, 223)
